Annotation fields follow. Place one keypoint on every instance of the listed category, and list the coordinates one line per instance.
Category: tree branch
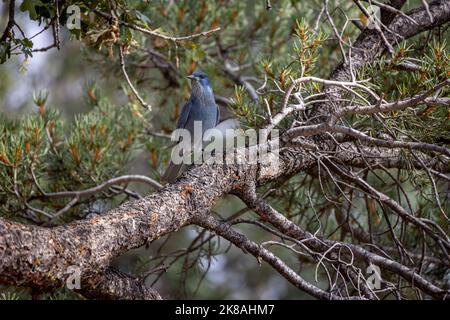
(11, 21)
(157, 34)
(224, 230)
(286, 226)
(40, 257)
(113, 285)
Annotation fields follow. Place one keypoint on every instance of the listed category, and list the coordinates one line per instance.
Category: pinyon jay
(201, 106)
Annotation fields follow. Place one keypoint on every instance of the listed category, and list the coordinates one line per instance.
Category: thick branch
(40, 257)
(113, 285)
(11, 21)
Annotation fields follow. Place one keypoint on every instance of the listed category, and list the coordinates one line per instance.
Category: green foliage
(425, 122)
(303, 55)
(44, 152)
(244, 110)
(387, 76)
(9, 296)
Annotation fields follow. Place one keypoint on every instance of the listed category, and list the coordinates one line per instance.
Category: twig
(392, 106)
(59, 213)
(427, 8)
(390, 143)
(56, 31)
(127, 78)
(336, 33)
(225, 231)
(103, 186)
(156, 34)
(393, 10)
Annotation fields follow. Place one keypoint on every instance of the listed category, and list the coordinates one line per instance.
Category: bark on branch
(43, 257)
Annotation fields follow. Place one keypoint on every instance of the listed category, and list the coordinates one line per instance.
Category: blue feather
(184, 115)
(200, 107)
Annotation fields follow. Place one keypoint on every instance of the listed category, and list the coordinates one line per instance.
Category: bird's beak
(191, 77)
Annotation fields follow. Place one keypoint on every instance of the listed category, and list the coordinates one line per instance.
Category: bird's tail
(172, 172)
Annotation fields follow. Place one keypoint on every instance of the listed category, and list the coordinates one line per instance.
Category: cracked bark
(41, 258)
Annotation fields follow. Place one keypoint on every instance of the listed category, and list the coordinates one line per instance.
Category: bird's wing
(217, 115)
(184, 115)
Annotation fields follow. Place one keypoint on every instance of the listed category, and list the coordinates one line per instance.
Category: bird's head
(200, 78)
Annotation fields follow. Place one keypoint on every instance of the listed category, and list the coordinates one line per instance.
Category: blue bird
(201, 106)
